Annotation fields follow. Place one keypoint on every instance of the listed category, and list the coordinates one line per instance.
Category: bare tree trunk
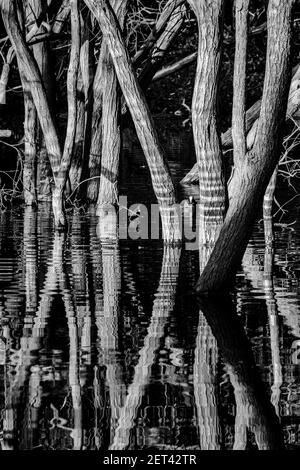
(58, 193)
(250, 184)
(30, 150)
(83, 105)
(111, 133)
(32, 75)
(160, 174)
(41, 54)
(213, 192)
(251, 121)
(239, 83)
(94, 162)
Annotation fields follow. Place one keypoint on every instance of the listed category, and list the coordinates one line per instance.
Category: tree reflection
(254, 410)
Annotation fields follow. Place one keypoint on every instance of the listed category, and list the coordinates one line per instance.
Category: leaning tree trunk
(160, 174)
(213, 197)
(250, 183)
(111, 133)
(32, 75)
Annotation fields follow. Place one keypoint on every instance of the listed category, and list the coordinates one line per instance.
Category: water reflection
(103, 344)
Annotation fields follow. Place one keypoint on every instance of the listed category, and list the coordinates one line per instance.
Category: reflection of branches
(162, 308)
(254, 409)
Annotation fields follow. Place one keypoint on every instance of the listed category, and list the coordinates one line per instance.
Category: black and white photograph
(149, 229)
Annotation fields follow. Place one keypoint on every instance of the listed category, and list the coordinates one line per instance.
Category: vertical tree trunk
(250, 184)
(213, 193)
(32, 75)
(111, 133)
(58, 193)
(30, 147)
(160, 174)
(41, 54)
(83, 104)
(239, 83)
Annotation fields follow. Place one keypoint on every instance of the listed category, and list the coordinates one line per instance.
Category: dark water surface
(104, 345)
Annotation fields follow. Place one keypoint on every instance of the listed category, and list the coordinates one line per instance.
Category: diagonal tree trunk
(160, 174)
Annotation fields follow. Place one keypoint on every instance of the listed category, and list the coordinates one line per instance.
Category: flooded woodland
(149, 225)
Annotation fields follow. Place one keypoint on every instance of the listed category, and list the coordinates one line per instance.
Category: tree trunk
(160, 174)
(213, 193)
(58, 193)
(41, 54)
(251, 120)
(83, 105)
(239, 83)
(31, 72)
(30, 147)
(111, 133)
(250, 183)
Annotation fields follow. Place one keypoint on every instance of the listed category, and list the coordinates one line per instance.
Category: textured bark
(83, 105)
(34, 11)
(33, 76)
(239, 82)
(250, 184)
(111, 133)
(160, 174)
(3, 82)
(30, 148)
(251, 122)
(58, 193)
(213, 197)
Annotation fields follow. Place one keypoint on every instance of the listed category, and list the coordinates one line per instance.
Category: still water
(103, 343)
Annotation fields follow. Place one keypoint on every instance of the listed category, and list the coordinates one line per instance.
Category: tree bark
(250, 184)
(111, 132)
(37, 89)
(251, 120)
(34, 11)
(160, 174)
(58, 193)
(213, 192)
(239, 83)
